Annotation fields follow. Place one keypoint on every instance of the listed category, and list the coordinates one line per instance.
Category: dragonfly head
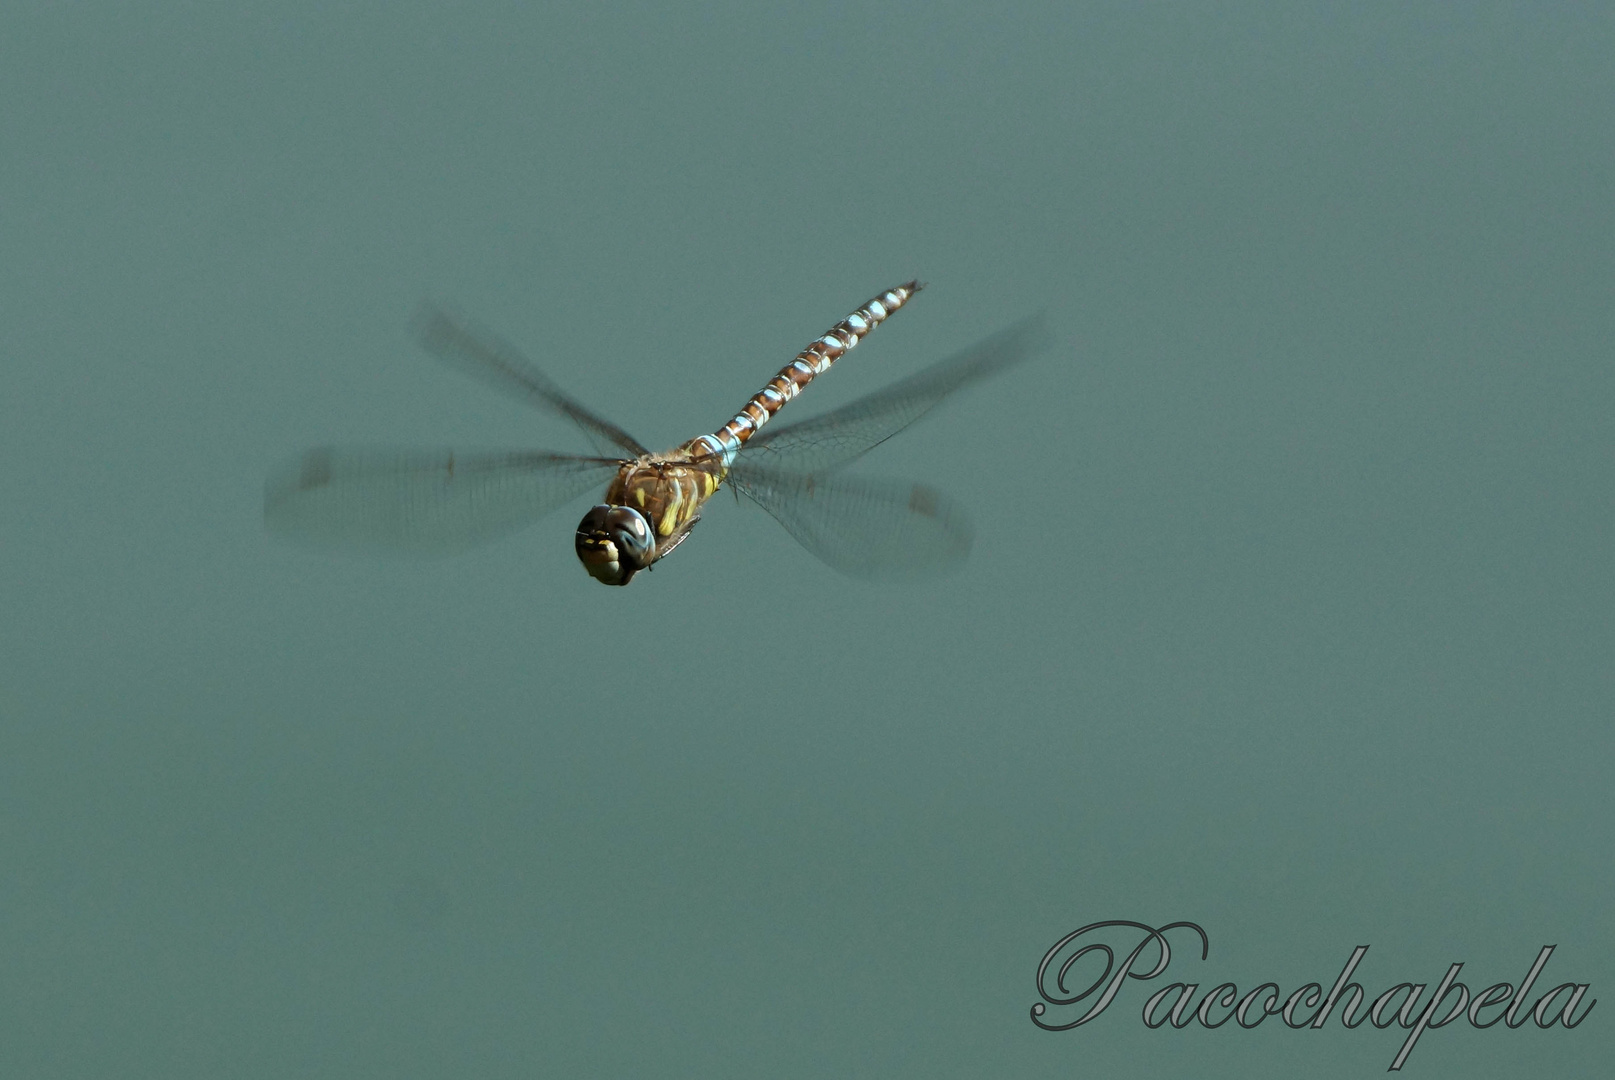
(614, 542)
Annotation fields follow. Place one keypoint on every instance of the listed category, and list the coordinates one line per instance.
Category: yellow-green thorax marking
(668, 489)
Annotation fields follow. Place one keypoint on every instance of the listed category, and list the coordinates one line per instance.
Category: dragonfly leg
(665, 548)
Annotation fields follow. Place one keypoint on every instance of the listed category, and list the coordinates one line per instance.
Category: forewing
(458, 344)
(835, 438)
(420, 501)
(862, 527)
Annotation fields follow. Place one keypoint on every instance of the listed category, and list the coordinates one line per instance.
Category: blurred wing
(484, 356)
(835, 438)
(861, 527)
(420, 501)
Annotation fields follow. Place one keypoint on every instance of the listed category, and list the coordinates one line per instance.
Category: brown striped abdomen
(810, 362)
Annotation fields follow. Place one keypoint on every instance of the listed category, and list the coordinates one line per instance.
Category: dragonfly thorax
(614, 543)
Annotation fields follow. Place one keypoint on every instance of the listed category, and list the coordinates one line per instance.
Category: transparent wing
(832, 440)
(455, 342)
(862, 527)
(421, 501)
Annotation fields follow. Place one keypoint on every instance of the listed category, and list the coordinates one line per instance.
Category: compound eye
(595, 520)
(631, 533)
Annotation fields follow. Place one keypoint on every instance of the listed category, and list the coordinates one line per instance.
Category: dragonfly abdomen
(809, 363)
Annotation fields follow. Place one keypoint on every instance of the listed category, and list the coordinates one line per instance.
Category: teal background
(1289, 612)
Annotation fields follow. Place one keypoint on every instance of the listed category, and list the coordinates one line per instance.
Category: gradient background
(1289, 614)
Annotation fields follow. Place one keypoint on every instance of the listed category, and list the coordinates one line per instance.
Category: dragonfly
(440, 501)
